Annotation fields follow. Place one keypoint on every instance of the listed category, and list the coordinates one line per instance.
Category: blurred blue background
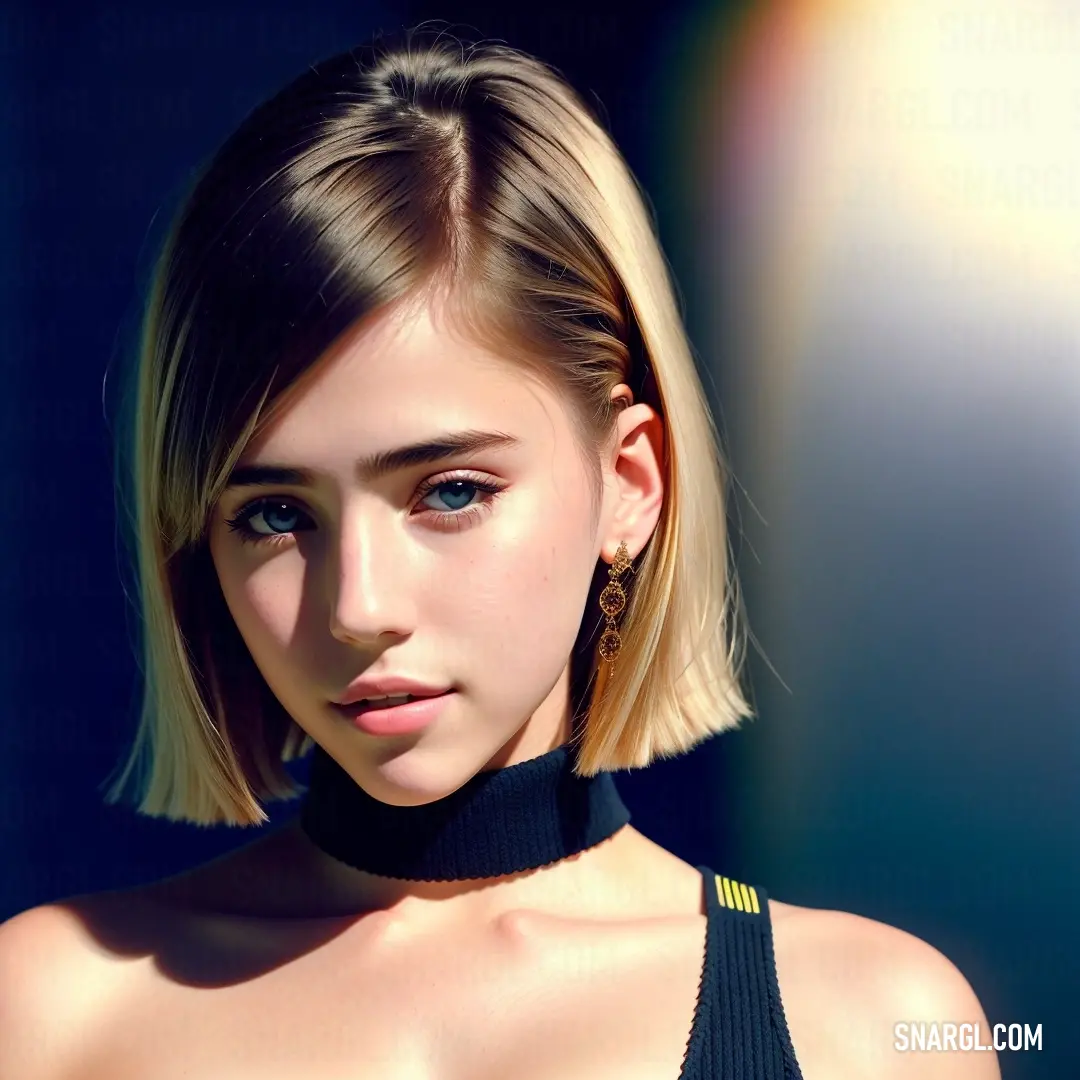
(873, 212)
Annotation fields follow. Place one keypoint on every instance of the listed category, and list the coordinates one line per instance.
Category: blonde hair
(473, 172)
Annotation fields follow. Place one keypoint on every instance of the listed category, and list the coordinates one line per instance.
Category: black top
(501, 821)
(739, 1030)
(533, 814)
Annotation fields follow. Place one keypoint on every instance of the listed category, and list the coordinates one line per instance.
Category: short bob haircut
(398, 173)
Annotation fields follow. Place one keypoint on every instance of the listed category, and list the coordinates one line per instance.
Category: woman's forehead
(407, 375)
(407, 422)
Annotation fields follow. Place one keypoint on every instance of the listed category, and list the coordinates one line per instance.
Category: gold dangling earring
(612, 601)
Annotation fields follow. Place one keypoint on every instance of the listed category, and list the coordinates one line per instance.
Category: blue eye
(452, 497)
(272, 511)
(281, 517)
(273, 514)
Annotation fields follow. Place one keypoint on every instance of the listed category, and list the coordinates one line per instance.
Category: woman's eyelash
(448, 519)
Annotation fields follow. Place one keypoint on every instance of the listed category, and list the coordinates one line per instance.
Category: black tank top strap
(740, 1031)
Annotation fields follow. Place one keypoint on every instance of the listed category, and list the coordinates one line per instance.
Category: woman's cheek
(272, 598)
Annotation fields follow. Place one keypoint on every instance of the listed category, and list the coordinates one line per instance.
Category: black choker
(500, 822)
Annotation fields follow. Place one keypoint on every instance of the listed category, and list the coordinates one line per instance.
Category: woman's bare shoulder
(846, 981)
(54, 983)
(58, 936)
(62, 962)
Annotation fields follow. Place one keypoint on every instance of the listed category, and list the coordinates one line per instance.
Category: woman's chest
(532, 1000)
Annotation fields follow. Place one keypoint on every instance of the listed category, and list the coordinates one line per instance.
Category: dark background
(106, 110)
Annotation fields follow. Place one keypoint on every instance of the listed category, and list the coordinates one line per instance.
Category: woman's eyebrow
(373, 466)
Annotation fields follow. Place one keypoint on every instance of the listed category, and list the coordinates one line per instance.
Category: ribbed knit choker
(500, 822)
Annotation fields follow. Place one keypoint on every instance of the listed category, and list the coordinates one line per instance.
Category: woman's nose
(368, 591)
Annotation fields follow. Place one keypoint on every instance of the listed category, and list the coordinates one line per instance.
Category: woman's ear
(634, 489)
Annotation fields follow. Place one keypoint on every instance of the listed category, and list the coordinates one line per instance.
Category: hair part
(474, 180)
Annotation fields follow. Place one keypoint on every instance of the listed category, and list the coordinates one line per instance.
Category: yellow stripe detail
(735, 886)
(745, 896)
(727, 891)
(734, 899)
(734, 894)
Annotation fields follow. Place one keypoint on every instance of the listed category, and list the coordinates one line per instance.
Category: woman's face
(414, 572)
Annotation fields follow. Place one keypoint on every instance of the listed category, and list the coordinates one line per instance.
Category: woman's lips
(383, 720)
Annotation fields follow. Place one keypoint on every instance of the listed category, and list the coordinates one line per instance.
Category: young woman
(423, 481)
